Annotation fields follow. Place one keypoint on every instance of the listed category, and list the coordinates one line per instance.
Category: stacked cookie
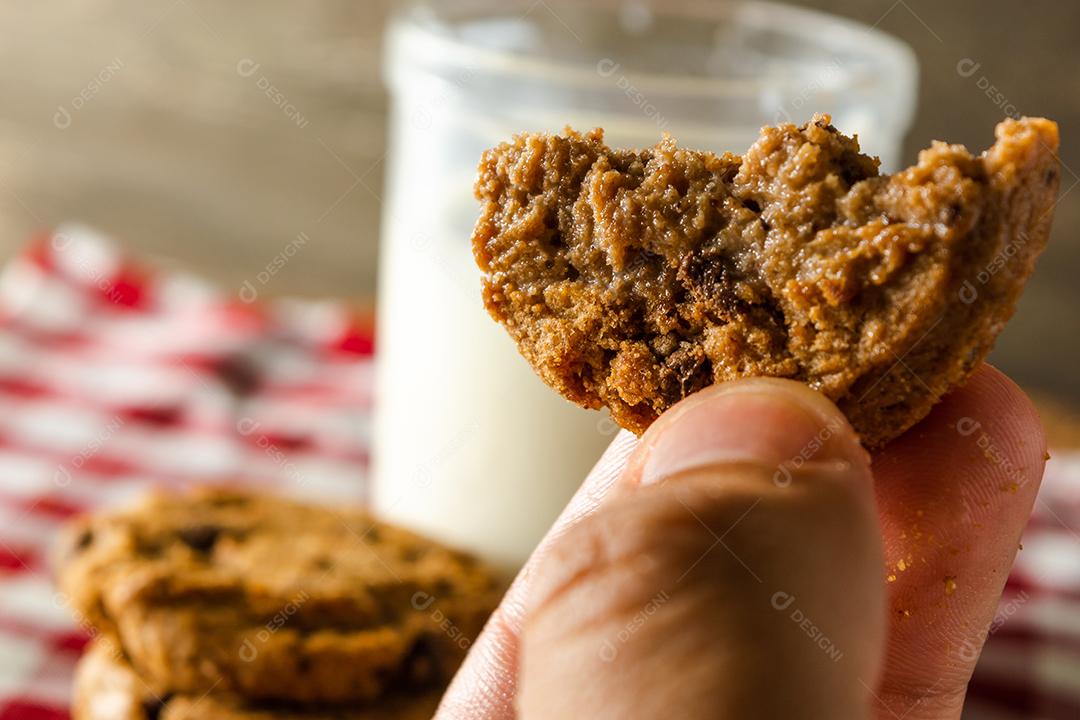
(222, 604)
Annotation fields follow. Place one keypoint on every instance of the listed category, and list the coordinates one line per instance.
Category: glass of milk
(470, 446)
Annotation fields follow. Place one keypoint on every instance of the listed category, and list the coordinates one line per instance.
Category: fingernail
(777, 424)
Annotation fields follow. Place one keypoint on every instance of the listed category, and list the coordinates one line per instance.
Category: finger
(710, 584)
(485, 686)
(954, 493)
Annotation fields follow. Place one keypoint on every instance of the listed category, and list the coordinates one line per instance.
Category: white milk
(470, 445)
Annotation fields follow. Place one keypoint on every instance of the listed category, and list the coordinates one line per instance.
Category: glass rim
(419, 40)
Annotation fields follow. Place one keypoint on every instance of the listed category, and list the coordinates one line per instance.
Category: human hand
(743, 559)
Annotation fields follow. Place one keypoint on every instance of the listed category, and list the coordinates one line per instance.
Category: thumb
(735, 571)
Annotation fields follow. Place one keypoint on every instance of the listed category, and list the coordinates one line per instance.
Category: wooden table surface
(167, 144)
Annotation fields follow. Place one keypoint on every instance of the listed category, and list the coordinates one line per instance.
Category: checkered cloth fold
(113, 378)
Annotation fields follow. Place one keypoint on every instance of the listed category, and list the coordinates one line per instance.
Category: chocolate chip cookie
(107, 688)
(633, 278)
(230, 592)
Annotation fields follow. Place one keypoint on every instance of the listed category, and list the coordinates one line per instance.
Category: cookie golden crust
(273, 599)
(107, 688)
(631, 279)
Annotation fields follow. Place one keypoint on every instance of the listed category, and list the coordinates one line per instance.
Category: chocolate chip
(713, 279)
(421, 663)
(200, 538)
(684, 372)
(411, 554)
(84, 540)
(152, 707)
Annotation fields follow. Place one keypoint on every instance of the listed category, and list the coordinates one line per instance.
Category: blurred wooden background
(151, 120)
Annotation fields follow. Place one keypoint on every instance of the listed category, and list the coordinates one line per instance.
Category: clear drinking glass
(469, 445)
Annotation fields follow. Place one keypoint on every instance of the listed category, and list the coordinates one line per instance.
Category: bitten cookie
(106, 688)
(632, 279)
(224, 591)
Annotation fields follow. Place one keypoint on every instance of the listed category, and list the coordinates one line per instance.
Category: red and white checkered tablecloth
(1030, 667)
(114, 378)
